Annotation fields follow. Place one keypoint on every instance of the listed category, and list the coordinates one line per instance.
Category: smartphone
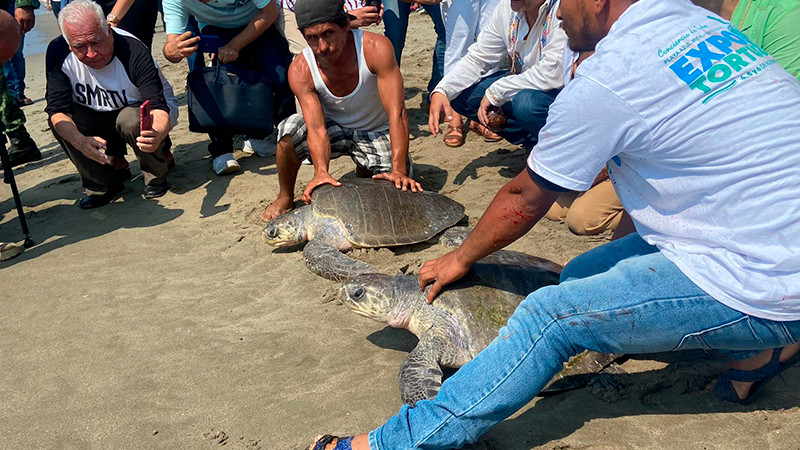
(209, 43)
(145, 118)
(375, 3)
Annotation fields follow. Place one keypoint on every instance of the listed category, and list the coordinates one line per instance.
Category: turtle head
(372, 295)
(286, 230)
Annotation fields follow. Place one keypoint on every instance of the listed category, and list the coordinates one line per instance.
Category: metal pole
(8, 178)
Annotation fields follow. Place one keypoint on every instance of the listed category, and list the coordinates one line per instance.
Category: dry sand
(170, 324)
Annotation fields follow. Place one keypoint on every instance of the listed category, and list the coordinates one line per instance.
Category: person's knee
(532, 102)
(586, 223)
(128, 121)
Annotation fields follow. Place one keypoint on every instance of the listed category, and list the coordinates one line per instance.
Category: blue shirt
(220, 13)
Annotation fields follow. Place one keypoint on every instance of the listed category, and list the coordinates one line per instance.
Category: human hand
(182, 46)
(483, 109)
(366, 16)
(442, 271)
(93, 148)
(227, 53)
(319, 179)
(401, 181)
(149, 140)
(439, 104)
(25, 17)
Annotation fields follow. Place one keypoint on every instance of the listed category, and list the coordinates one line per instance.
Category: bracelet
(112, 19)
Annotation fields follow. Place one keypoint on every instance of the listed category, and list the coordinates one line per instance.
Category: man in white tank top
(351, 93)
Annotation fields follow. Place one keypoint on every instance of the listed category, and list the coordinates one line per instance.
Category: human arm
(149, 140)
(575, 146)
(487, 55)
(512, 213)
(91, 146)
(319, 146)
(121, 7)
(545, 75)
(380, 61)
(23, 13)
(366, 16)
(782, 40)
(263, 19)
(179, 46)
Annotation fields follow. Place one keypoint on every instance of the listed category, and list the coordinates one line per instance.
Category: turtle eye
(272, 232)
(358, 292)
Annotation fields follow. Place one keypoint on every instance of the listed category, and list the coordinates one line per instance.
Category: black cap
(311, 12)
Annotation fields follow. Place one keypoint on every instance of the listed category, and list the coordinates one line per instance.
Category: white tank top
(359, 110)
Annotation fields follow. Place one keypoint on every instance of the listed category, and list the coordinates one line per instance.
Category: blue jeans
(526, 112)
(395, 21)
(623, 297)
(14, 68)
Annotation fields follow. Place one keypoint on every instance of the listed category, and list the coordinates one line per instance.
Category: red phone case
(145, 118)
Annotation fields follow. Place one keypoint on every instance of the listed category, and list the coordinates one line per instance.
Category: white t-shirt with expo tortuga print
(701, 132)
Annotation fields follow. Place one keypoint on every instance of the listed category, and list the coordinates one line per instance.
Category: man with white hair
(97, 77)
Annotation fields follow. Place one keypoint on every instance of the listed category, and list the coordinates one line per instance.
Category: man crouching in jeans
(96, 79)
(350, 90)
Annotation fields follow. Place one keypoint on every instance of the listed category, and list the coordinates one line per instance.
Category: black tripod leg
(8, 178)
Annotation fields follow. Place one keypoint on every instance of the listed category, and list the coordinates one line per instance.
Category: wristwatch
(112, 19)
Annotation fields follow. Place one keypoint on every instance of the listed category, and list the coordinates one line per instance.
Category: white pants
(463, 20)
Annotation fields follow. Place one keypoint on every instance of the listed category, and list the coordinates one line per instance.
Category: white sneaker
(262, 147)
(225, 164)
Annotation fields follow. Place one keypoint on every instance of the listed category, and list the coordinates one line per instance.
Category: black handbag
(229, 99)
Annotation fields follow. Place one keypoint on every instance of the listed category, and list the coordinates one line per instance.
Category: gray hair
(81, 12)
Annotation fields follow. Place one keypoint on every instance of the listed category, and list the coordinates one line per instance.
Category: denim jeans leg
(641, 304)
(395, 22)
(14, 70)
(468, 102)
(437, 71)
(529, 109)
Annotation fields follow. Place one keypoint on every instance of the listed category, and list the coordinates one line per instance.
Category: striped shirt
(349, 5)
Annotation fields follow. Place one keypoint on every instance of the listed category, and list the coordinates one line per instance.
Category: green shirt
(773, 25)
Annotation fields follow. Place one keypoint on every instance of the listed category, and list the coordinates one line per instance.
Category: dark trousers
(118, 129)
(268, 54)
(526, 112)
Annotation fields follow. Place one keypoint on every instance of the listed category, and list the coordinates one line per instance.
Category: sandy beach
(170, 324)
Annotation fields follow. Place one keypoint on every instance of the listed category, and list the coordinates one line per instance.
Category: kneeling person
(350, 90)
(96, 79)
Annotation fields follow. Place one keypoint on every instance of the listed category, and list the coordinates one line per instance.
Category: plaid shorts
(368, 149)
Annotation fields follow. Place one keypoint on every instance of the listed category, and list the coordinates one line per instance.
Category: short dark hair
(341, 22)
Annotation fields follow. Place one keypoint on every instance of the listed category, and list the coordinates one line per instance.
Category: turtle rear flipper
(420, 375)
(581, 369)
(329, 262)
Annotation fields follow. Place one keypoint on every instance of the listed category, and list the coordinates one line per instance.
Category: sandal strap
(341, 443)
(765, 371)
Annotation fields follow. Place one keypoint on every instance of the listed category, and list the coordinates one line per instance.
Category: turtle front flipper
(420, 375)
(330, 263)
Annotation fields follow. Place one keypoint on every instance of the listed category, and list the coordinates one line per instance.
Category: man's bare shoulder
(378, 52)
(299, 74)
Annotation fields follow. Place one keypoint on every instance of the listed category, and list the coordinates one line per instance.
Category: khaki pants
(590, 212)
(100, 178)
(287, 25)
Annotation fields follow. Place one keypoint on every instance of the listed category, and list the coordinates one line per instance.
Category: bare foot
(742, 388)
(360, 442)
(279, 207)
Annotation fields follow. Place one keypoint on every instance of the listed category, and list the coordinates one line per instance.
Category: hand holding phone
(209, 43)
(145, 118)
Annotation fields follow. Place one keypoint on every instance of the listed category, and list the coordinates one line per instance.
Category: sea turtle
(361, 213)
(462, 321)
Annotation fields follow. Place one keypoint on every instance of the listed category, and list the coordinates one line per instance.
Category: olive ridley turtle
(466, 316)
(361, 213)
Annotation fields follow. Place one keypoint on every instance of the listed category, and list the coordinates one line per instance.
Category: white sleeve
(483, 58)
(547, 74)
(587, 125)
